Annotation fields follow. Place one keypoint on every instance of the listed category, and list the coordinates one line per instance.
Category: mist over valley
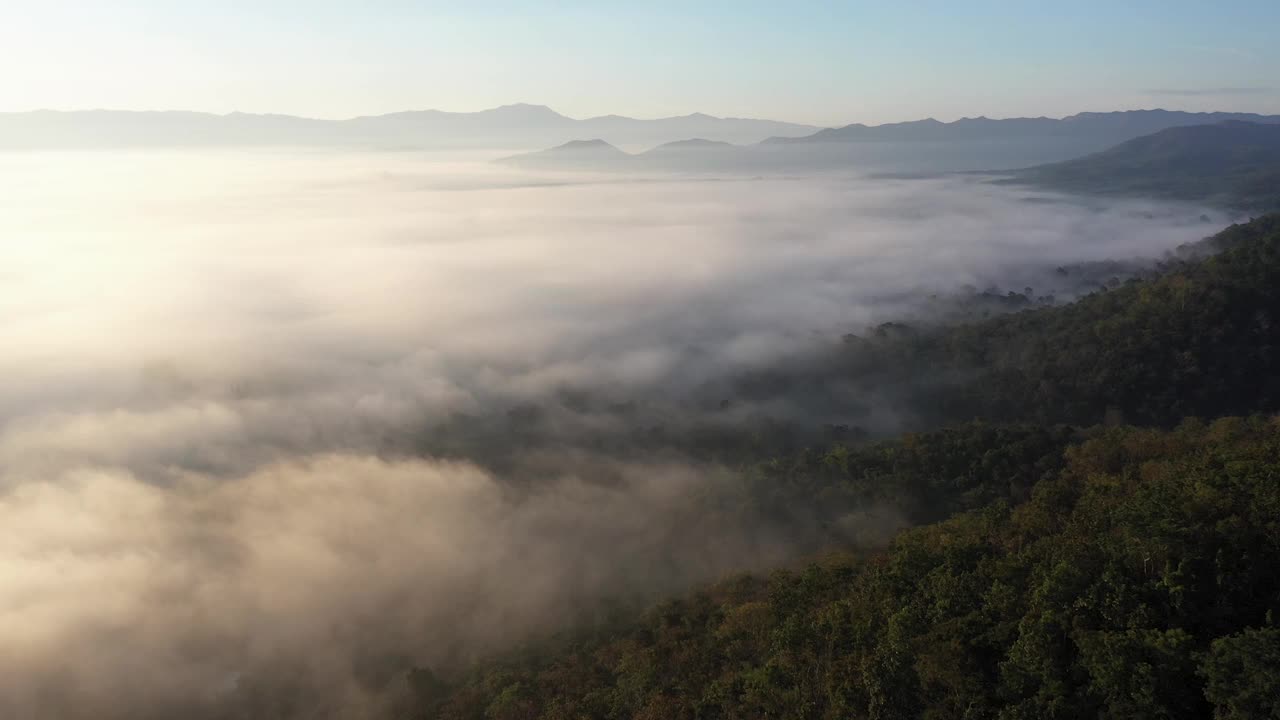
(280, 424)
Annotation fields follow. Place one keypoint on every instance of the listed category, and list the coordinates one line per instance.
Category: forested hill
(1199, 339)
(1141, 580)
(1112, 571)
(1235, 164)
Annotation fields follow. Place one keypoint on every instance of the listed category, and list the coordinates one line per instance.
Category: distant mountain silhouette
(1116, 126)
(1232, 163)
(688, 143)
(694, 144)
(691, 155)
(574, 155)
(913, 148)
(520, 126)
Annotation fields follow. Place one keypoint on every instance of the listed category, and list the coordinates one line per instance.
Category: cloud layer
(231, 381)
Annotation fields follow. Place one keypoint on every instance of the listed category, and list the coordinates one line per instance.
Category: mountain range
(1232, 163)
(1113, 126)
(519, 126)
(926, 146)
(966, 144)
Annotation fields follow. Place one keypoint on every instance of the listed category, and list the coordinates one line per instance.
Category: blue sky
(819, 62)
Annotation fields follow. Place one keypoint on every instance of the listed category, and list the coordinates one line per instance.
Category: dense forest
(1141, 579)
(1197, 340)
(1088, 540)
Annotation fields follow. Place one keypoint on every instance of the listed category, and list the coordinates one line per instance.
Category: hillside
(1195, 340)
(1193, 337)
(1106, 572)
(1236, 164)
(1142, 579)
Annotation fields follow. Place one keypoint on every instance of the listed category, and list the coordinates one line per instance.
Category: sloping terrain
(1109, 571)
(1236, 164)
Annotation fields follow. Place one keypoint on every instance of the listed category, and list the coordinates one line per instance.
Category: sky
(825, 63)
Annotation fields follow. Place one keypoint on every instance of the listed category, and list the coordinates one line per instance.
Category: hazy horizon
(1218, 108)
(827, 65)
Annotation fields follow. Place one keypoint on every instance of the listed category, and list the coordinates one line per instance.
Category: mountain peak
(526, 110)
(575, 154)
(595, 144)
(693, 144)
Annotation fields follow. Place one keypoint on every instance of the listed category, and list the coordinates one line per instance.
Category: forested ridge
(1198, 339)
(1142, 579)
(1096, 533)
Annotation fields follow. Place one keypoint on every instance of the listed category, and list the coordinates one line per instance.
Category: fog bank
(229, 468)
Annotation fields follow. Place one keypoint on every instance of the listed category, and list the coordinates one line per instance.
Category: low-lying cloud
(227, 473)
(307, 587)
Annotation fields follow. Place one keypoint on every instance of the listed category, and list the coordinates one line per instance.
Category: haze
(824, 64)
(228, 376)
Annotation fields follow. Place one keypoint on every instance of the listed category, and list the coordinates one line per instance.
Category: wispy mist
(226, 472)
